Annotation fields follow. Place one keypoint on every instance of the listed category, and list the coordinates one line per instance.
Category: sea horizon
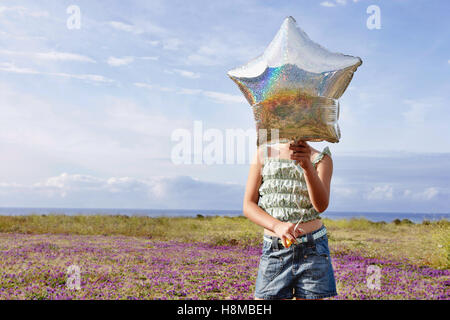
(416, 217)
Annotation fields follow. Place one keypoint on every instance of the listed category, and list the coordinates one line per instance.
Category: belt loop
(274, 243)
(310, 240)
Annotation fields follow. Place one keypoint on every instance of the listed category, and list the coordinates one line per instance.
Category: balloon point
(291, 17)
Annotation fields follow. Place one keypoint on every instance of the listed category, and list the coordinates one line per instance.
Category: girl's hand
(286, 231)
(301, 153)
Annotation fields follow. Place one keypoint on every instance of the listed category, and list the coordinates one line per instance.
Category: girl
(288, 187)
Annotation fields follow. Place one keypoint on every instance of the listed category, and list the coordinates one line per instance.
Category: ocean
(372, 216)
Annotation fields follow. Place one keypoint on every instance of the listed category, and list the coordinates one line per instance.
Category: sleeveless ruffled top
(283, 191)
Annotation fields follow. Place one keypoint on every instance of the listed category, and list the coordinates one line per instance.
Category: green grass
(426, 243)
(220, 230)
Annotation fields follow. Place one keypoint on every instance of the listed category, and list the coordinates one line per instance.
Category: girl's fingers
(287, 240)
(283, 240)
(300, 154)
(298, 148)
(291, 238)
(300, 158)
(300, 231)
(298, 144)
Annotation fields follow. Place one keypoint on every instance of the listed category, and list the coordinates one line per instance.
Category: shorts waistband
(316, 234)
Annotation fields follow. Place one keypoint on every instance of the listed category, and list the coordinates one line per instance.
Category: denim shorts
(303, 270)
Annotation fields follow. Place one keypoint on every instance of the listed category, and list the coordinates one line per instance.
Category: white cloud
(39, 135)
(153, 43)
(184, 73)
(327, 4)
(202, 60)
(219, 97)
(153, 58)
(131, 118)
(430, 193)
(125, 27)
(143, 85)
(70, 184)
(116, 62)
(87, 77)
(331, 4)
(63, 56)
(190, 91)
(342, 191)
(427, 194)
(171, 44)
(52, 55)
(224, 97)
(385, 192)
(23, 11)
(12, 68)
(222, 49)
(145, 27)
(154, 87)
(78, 190)
(21, 37)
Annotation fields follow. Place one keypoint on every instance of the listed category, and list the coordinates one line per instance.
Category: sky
(92, 92)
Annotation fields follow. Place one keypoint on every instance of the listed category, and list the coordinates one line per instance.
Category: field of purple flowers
(34, 266)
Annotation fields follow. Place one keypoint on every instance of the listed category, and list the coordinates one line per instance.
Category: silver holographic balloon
(294, 86)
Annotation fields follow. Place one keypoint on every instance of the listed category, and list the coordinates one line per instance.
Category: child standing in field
(287, 201)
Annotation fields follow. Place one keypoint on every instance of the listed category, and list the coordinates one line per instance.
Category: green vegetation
(427, 243)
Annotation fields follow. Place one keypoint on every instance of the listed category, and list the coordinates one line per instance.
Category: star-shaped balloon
(294, 86)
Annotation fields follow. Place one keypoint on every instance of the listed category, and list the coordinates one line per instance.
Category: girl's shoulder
(325, 150)
(319, 155)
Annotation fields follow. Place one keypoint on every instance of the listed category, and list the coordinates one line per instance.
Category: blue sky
(87, 114)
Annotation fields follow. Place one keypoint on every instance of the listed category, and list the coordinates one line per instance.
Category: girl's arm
(252, 211)
(317, 180)
(318, 183)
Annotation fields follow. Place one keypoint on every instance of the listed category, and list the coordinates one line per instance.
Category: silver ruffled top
(283, 191)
